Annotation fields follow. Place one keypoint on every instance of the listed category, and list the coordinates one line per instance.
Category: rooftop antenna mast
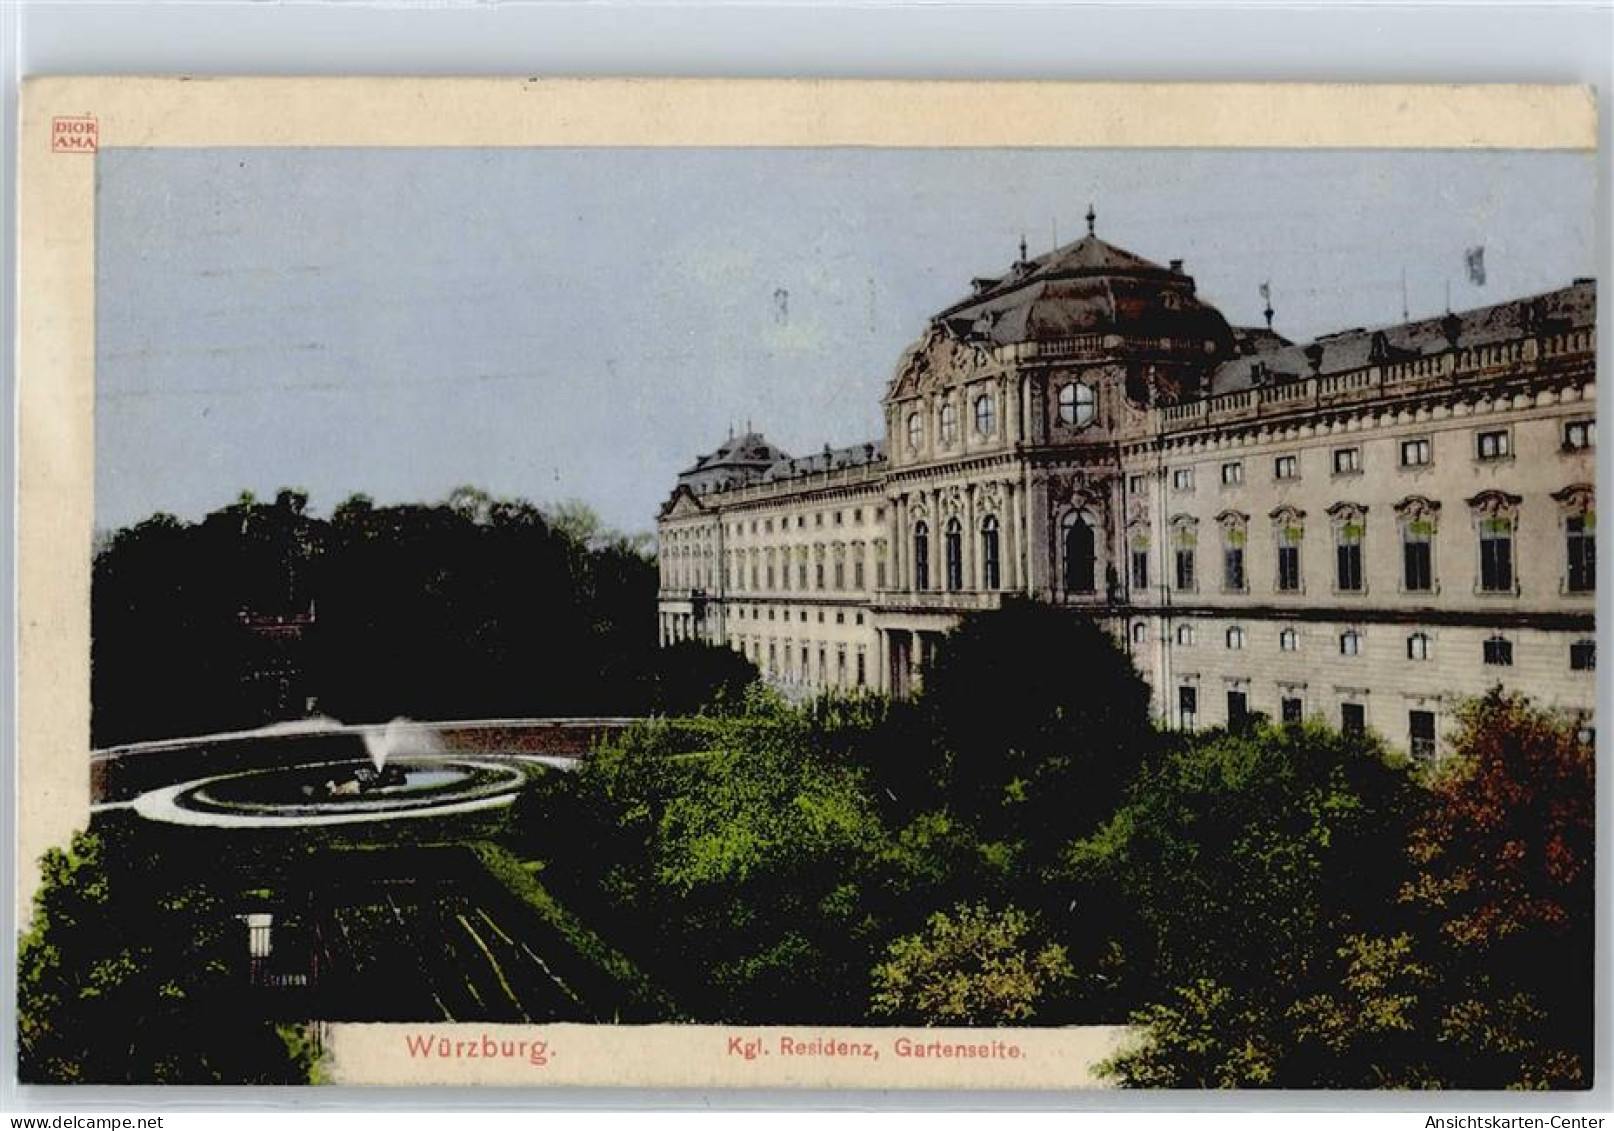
(1405, 314)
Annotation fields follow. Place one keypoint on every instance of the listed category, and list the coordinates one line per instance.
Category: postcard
(807, 584)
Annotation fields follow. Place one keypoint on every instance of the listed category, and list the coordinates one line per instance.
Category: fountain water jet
(401, 736)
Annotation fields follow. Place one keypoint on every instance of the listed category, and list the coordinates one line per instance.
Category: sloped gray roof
(827, 460)
(1572, 307)
(1086, 287)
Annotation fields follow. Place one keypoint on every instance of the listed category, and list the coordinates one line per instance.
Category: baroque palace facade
(1366, 528)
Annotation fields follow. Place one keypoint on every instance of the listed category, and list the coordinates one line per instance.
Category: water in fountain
(403, 737)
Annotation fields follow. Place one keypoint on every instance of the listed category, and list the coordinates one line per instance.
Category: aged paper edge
(57, 360)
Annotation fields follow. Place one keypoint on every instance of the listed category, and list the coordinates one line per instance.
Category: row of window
(1495, 543)
(819, 575)
(1489, 446)
(1421, 740)
(837, 518)
(752, 612)
(780, 662)
(1076, 404)
(953, 555)
(1497, 651)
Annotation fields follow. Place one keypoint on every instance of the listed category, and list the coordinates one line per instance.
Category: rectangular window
(1347, 461)
(1579, 435)
(818, 574)
(1348, 560)
(879, 574)
(1140, 569)
(1293, 710)
(1288, 568)
(1582, 544)
(1185, 568)
(1238, 710)
(862, 669)
(1182, 479)
(1496, 555)
(1233, 568)
(1187, 706)
(801, 575)
(1421, 734)
(1583, 656)
(1499, 652)
(1352, 718)
(1496, 444)
(840, 575)
(1136, 484)
(857, 574)
(1417, 453)
(1232, 474)
(1286, 467)
(1417, 560)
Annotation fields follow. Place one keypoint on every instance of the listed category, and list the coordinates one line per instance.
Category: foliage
(124, 980)
(692, 676)
(1276, 842)
(1040, 720)
(1294, 953)
(973, 966)
(475, 606)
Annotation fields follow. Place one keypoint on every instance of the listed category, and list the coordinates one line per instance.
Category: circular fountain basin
(308, 794)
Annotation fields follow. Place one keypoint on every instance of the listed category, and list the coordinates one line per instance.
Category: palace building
(1367, 527)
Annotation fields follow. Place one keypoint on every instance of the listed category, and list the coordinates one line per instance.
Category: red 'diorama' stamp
(74, 135)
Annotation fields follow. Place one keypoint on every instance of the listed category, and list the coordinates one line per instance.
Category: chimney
(1176, 267)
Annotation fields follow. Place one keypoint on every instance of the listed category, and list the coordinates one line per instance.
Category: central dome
(1088, 287)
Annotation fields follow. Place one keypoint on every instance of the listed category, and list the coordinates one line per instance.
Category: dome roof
(1087, 287)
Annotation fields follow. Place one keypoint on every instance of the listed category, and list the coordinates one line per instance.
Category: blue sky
(566, 323)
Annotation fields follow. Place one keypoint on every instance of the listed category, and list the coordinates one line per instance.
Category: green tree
(692, 677)
(1473, 970)
(124, 981)
(1244, 860)
(970, 966)
(1041, 721)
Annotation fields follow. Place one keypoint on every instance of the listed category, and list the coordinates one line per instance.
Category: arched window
(1290, 535)
(1418, 646)
(1235, 533)
(1495, 514)
(1289, 640)
(1350, 522)
(921, 557)
(1080, 565)
(916, 430)
(1580, 537)
(954, 540)
(1185, 635)
(1184, 543)
(991, 567)
(986, 415)
(1076, 404)
(1350, 643)
(949, 423)
(1496, 553)
(1235, 638)
(1140, 632)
